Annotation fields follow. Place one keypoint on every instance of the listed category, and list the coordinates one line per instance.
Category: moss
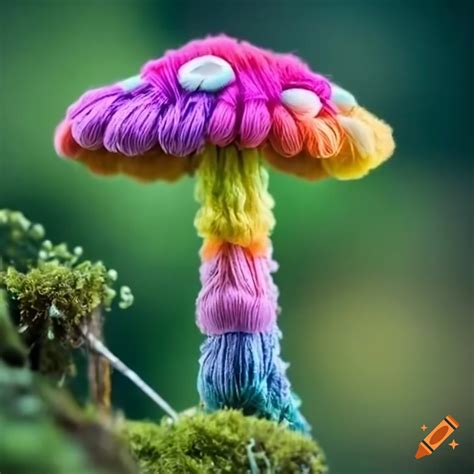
(53, 291)
(50, 268)
(224, 441)
(54, 301)
(57, 296)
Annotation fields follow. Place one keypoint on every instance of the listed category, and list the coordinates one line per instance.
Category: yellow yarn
(232, 187)
(150, 166)
(368, 144)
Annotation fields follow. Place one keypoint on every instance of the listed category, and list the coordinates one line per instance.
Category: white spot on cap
(131, 83)
(341, 97)
(302, 101)
(205, 73)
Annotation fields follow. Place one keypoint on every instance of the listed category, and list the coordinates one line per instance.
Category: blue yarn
(244, 371)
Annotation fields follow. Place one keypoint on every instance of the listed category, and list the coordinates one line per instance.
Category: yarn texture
(245, 371)
(232, 188)
(240, 364)
(238, 293)
(220, 109)
(249, 102)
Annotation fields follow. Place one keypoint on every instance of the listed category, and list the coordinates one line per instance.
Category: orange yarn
(212, 246)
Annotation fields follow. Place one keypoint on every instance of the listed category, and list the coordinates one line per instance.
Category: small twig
(97, 346)
(253, 457)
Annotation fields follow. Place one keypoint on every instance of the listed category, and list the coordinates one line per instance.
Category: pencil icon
(437, 437)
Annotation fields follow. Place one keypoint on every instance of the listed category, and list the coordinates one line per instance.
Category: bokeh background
(375, 276)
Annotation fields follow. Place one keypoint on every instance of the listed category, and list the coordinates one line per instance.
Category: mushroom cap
(219, 92)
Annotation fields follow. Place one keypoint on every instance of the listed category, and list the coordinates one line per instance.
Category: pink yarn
(158, 112)
(238, 293)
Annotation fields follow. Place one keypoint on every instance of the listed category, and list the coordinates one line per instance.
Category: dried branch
(98, 367)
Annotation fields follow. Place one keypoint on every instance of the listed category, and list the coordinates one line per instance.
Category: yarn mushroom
(221, 109)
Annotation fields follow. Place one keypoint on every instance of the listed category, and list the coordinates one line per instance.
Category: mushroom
(220, 108)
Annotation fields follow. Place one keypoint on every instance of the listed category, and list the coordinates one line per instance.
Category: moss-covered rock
(224, 441)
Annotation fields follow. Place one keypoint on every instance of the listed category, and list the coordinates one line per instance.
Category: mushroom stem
(232, 188)
(240, 364)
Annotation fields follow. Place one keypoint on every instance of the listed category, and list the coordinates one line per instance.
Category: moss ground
(224, 441)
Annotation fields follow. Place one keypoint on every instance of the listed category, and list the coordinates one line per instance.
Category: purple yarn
(91, 99)
(222, 128)
(255, 123)
(132, 128)
(192, 133)
(183, 126)
(91, 115)
(238, 293)
(153, 110)
(240, 364)
(133, 122)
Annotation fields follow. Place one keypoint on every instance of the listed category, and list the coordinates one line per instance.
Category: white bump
(302, 101)
(341, 97)
(206, 73)
(131, 83)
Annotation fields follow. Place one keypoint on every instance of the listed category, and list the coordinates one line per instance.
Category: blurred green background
(375, 275)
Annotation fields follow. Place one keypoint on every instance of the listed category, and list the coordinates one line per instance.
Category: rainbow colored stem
(237, 308)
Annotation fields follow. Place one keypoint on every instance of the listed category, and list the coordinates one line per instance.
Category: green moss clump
(54, 301)
(23, 249)
(224, 441)
(56, 295)
(53, 292)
